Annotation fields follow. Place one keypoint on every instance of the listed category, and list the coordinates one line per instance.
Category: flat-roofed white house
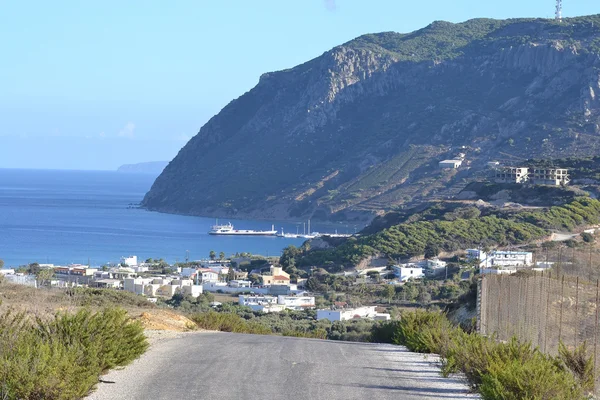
(500, 258)
(347, 314)
(297, 302)
(404, 272)
(245, 300)
(131, 261)
(450, 164)
(510, 259)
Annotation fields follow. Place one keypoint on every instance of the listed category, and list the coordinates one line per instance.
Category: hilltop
(360, 130)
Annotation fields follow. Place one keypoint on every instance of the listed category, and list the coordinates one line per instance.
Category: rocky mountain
(150, 167)
(361, 129)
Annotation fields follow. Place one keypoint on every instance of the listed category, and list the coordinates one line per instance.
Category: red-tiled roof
(281, 278)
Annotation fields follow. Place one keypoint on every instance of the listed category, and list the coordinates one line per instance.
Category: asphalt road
(213, 365)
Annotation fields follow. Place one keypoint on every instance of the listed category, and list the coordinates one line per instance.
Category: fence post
(576, 330)
(479, 305)
(499, 303)
(542, 334)
(562, 298)
(596, 326)
(526, 330)
(547, 310)
(507, 302)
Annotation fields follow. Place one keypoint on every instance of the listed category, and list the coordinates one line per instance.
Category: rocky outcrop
(380, 111)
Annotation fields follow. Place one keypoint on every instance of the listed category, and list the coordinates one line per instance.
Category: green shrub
(580, 364)
(62, 358)
(537, 378)
(423, 332)
(228, 322)
(499, 371)
(384, 332)
(472, 354)
(114, 339)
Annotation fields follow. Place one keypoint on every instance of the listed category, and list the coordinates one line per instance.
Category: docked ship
(230, 230)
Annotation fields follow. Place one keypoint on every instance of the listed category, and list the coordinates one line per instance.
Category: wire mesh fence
(540, 308)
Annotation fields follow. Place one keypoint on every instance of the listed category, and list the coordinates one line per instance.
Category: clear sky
(96, 84)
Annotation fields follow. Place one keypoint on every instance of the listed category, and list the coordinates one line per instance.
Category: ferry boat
(230, 230)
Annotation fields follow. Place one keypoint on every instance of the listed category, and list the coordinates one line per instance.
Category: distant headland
(151, 167)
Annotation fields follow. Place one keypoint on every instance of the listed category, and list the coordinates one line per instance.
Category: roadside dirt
(164, 320)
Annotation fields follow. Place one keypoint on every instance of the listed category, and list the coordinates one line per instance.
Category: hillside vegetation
(456, 230)
(360, 129)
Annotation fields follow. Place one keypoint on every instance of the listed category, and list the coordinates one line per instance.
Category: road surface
(215, 365)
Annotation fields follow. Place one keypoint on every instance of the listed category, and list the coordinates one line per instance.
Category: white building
(475, 254)
(186, 272)
(135, 285)
(501, 259)
(246, 300)
(509, 259)
(512, 175)
(208, 275)
(131, 261)
(296, 302)
(498, 271)
(347, 314)
(549, 176)
(404, 272)
(452, 164)
(267, 303)
(225, 288)
(433, 267)
(7, 271)
(192, 290)
(239, 284)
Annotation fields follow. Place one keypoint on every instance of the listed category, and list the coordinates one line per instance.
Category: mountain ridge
(359, 130)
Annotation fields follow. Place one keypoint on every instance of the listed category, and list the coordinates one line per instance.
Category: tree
(231, 274)
(313, 284)
(431, 251)
(375, 275)
(34, 268)
(410, 291)
(221, 255)
(1, 263)
(587, 237)
(212, 255)
(389, 291)
(44, 275)
(288, 257)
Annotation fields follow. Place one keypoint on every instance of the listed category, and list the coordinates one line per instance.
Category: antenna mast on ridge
(558, 16)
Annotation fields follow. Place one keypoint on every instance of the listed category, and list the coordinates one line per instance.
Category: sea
(90, 217)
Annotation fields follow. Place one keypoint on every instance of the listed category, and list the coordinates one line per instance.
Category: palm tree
(221, 255)
(212, 255)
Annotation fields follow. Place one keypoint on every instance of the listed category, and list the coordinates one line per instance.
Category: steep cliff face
(361, 128)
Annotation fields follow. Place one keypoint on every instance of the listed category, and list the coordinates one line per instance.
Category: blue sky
(96, 84)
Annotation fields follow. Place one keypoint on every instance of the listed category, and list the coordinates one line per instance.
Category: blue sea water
(61, 217)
